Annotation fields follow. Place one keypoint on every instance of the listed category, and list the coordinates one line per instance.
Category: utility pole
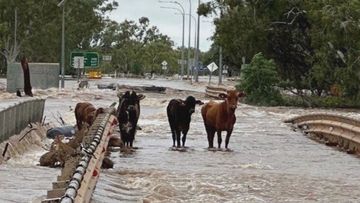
(62, 3)
(189, 45)
(197, 48)
(182, 11)
(220, 66)
(182, 47)
(15, 31)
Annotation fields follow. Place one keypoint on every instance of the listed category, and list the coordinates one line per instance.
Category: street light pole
(182, 11)
(189, 45)
(197, 48)
(62, 3)
(220, 65)
(194, 41)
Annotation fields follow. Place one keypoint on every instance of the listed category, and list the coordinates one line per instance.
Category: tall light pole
(194, 42)
(197, 48)
(62, 3)
(189, 46)
(182, 11)
(220, 65)
(190, 67)
(183, 37)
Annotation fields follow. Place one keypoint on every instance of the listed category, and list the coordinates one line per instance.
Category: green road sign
(91, 59)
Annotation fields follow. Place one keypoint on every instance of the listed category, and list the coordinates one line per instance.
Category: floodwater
(268, 161)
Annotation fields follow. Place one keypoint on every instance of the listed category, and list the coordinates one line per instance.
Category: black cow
(179, 115)
(128, 113)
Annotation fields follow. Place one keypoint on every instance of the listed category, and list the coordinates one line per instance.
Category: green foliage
(315, 44)
(259, 81)
(204, 9)
(137, 47)
(39, 26)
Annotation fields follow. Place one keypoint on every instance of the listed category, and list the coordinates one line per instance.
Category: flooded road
(269, 162)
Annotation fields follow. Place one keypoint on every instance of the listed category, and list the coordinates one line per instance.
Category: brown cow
(86, 112)
(221, 116)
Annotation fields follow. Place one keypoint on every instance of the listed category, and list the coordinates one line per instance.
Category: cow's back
(209, 113)
(83, 110)
(79, 110)
(172, 107)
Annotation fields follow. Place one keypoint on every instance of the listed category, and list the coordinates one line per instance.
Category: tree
(38, 30)
(259, 81)
(137, 47)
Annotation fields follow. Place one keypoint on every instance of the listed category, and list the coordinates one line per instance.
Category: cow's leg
(184, 137)
(228, 138)
(173, 137)
(219, 138)
(172, 127)
(79, 124)
(210, 135)
(178, 135)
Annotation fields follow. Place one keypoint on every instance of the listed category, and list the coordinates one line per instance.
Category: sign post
(212, 67)
(91, 59)
(164, 65)
(78, 64)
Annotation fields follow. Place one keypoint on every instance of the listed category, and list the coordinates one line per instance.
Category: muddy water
(269, 162)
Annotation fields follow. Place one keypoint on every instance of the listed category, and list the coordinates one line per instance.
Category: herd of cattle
(217, 117)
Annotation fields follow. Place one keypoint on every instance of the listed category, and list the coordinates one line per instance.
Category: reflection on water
(268, 163)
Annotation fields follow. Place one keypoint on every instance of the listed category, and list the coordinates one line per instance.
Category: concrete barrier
(42, 76)
(333, 130)
(15, 118)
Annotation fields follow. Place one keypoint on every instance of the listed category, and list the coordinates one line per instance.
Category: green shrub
(259, 81)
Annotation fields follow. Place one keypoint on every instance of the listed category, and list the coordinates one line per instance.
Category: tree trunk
(26, 71)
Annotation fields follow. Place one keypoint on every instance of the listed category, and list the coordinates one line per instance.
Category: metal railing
(78, 183)
(333, 130)
(15, 118)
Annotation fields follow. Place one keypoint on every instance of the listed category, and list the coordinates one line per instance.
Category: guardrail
(214, 91)
(15, 118)
(333, 130)
(79, 176)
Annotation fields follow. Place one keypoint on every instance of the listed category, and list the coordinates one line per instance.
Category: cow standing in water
(179, 115)
(87, 113)
(128, 113)
(220, 117)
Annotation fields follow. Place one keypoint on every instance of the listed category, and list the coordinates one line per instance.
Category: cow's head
(190, 102)
(129, 100)
(232, 98)
(92, 115)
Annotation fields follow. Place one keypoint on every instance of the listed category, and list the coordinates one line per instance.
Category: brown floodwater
(268, 161)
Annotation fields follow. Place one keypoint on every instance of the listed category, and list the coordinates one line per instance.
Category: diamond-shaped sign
(212, 67)
(164, 63)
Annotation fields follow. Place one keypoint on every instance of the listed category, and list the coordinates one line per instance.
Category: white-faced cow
(128, 113)
(179, 116)
(221, 116)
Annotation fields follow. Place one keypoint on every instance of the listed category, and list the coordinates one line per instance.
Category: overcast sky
(166, 20)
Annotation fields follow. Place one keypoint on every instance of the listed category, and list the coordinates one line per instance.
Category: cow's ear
(199, 102)
(120, 94)
(99, 111)
(141, 96)
(222, 96)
